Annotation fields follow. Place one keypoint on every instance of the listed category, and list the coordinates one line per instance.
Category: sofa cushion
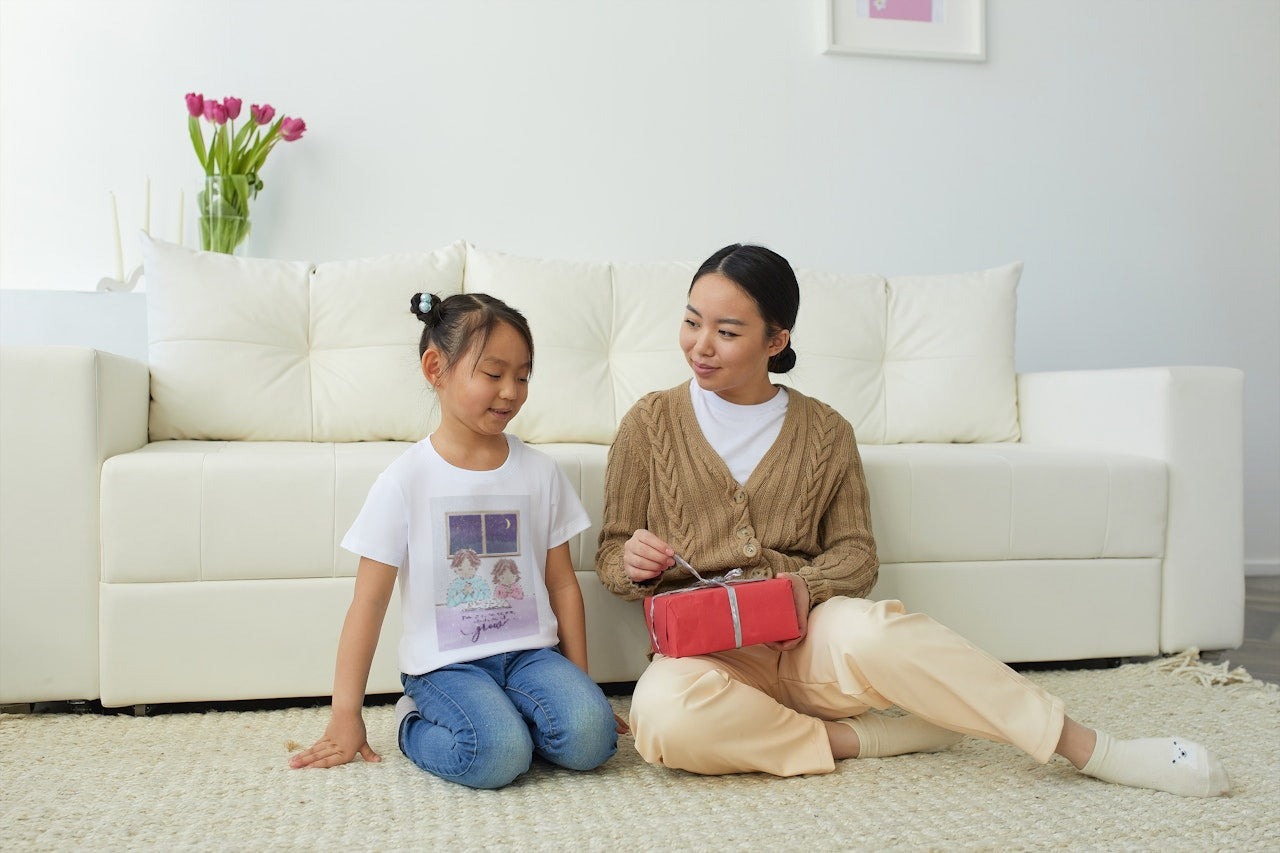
(839, 340)
(905, 359)
(604, 335)
(255, 349)
(649, 303)
(227, 342)
(234, 510)
(176, 511)
(569, 306)
(948, 359)
(952, 503)
(366, 378)
(193, 510)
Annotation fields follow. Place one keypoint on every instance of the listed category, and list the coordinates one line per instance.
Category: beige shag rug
(219, 781)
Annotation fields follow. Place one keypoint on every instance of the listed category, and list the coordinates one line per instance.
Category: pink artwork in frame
(916, 29)
(903, 10)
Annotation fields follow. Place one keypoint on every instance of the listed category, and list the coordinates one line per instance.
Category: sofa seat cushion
(178, 511)
(240, 510)
(933, 502)
(234, 510)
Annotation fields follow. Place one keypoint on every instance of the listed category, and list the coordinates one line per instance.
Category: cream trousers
(755, 709)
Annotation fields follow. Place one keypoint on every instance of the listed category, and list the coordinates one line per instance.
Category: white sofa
(168, 531)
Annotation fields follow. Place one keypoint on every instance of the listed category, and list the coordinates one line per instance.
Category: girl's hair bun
(421, 305)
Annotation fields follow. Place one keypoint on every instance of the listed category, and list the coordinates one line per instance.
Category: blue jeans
(480, 723)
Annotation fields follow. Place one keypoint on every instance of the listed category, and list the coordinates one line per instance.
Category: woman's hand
(799, 594)
(620, 725)
(343, 738)
(645, 556)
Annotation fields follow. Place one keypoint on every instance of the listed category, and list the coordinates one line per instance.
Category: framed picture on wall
(918, 29)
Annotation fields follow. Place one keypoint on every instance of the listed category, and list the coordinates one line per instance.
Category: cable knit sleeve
(814, 513)
(626, 504)
(847, 564)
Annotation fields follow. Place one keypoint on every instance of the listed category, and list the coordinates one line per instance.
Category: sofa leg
(16, 708)
(140, 710)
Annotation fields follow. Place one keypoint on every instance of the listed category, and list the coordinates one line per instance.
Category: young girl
(732, 471)
(488, 684)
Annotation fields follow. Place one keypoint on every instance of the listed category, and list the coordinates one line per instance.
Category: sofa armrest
(63, 410)
(1192, 418)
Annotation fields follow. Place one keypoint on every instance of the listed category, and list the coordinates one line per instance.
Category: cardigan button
(739, 496)
(744, 532)
(750, 549)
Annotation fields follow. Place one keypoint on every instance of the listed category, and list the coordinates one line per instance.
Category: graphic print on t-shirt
(480, 596)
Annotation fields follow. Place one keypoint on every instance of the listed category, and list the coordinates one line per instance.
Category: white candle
(115, 220)
(146, 211)
(181, 205)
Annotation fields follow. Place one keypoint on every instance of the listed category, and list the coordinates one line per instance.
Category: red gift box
(721, 615)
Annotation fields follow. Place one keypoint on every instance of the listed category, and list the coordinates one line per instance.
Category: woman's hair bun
(783, 360)
(421, 305)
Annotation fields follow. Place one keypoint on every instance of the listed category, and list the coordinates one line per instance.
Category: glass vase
(224, 212)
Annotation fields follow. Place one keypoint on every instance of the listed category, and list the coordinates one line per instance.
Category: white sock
(880, 736)
(1171, 764)
(403, 706)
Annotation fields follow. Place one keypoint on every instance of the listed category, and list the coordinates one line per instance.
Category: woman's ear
(779, 341)
(433, 367)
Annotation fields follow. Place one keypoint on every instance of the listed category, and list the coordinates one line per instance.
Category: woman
(732, 471)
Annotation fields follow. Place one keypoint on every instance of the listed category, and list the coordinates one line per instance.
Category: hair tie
(421, 304)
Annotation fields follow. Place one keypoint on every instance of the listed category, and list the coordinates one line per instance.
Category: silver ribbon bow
(721, 581)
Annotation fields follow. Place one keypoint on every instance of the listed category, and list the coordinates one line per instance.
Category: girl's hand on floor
(620, 725)
(342, 741)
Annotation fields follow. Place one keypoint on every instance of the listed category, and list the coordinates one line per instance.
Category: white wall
(1127, 150)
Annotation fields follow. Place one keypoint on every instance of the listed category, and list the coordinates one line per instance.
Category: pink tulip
(209, 106)
(232, 106)
(215, 112)
(262, 114)
(195, 104)
(292, 128)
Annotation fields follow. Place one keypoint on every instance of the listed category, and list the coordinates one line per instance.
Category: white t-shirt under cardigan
(471, 550)
(741, 434)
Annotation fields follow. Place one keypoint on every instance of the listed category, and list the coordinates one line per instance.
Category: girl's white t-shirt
(471, 550)
(742, 435)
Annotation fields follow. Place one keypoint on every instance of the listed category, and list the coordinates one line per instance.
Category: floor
(1260, 652)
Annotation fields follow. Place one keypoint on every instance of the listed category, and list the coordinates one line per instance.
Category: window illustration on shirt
(484, 582)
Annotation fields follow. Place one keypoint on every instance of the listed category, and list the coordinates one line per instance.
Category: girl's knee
(489, 757)
(496, 773)
(499, 760)
(592, 742)
(589, 738)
